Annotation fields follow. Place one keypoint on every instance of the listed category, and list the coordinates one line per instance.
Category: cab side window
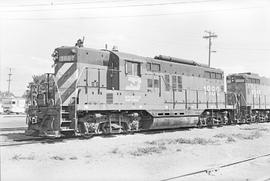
(207, 75)
(213, 75)
(133, 68)
(155, 67)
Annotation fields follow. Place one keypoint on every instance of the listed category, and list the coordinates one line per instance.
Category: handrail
(57, 88)
(76, 98)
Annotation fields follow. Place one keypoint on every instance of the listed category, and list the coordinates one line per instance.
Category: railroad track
(33, 140)
(43, 140)
(215, 169)
(13, 129)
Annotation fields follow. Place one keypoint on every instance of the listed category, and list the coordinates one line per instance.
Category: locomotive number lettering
(211, 90)
(255, 92)
(132, 98)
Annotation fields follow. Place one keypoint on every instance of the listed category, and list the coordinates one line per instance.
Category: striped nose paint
(66, 75)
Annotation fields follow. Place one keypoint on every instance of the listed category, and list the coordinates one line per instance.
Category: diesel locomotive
(106, 91)
(253, 94)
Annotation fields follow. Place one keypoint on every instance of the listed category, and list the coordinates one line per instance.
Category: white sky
(30, 30)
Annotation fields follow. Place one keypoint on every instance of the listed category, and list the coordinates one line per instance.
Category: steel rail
(13, 129)
(33, 140)
(215, 168)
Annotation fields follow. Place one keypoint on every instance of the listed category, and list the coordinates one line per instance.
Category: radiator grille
(109, 98)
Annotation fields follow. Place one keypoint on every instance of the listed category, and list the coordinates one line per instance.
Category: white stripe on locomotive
(69, 99)
(69, 81)
(62, 70)
(66, 84)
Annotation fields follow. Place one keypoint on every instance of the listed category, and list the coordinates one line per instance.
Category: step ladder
(66, 121)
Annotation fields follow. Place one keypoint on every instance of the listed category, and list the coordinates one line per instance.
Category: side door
(113, 72)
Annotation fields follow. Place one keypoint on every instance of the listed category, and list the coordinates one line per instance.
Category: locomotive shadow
(168, 130)
(21, 137)
(13, 136)
(108, 136)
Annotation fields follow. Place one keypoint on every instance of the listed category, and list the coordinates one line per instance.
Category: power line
(209, 37)
(117, 6)
(63, 3)
(132, 16)
(243, 48)
(216, 168)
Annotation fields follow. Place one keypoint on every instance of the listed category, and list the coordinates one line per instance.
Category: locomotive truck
(107, 91)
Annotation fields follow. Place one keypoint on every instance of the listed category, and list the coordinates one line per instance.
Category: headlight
(34, 120)
(73, 51)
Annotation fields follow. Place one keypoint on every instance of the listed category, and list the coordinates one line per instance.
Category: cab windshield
(64, 55)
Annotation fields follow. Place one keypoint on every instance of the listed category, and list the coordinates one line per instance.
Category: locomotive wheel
(115, 128)
(201, 123)
(209, 122)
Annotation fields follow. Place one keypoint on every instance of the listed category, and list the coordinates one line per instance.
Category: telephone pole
(9, 80)
(209, 37)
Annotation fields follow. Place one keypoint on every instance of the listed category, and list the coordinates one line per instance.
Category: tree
(39, 85)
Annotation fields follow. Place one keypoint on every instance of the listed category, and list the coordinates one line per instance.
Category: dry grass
(197, 140)
(258, 129)
(155, 142)
(221, 135)
(158, 146)
(230, 139)
(148, 150)
(115, 151)
(253, 135)
(194, 141)
(57, 158)
(73, 158)
(19, 157)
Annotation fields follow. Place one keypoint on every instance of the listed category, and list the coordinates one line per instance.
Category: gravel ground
(145, 156)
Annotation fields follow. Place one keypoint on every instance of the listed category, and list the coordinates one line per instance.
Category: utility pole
(9, 80)
(209, 37)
